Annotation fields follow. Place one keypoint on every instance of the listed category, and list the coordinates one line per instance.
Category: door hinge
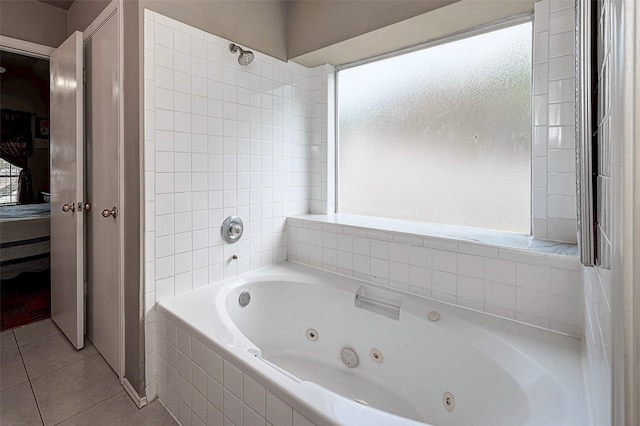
(84, 76)
(85, 288)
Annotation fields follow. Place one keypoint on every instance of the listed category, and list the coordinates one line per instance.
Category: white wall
(220, 140)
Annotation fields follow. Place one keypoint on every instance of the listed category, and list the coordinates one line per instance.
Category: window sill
(404, 230)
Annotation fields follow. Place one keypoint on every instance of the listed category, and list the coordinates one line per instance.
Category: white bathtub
(498, 372)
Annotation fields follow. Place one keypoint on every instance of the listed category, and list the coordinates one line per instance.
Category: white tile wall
(535, 288)
(220, 140)
(598, 342)
(553, 175)
(322, 88)
(598, 280)
(200, 386)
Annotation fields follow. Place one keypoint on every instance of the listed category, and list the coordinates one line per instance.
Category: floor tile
(70, 390)
(11, 369)
(18, 407)
(7, 341)
(153, 414)
(120, 410)
(32, 332)
(114, 411)
(52, 352)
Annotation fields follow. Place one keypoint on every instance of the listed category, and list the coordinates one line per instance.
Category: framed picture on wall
(42, 128)
(39, 143)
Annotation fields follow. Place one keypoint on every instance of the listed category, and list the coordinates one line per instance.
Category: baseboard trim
(140, 401)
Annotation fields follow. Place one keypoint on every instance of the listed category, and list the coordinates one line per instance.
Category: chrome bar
(379, 301)
(376, 302)
(584, 146)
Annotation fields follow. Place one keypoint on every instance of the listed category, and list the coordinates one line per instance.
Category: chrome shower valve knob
(232, 229)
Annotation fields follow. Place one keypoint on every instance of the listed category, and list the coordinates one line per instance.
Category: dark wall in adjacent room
(24, 86)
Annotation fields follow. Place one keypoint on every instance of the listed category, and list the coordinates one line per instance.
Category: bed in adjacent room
(24, 239)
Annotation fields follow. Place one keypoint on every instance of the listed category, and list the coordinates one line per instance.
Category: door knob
(113, 212)
(67, 207)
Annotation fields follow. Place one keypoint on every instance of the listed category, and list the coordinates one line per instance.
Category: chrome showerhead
(246, 56)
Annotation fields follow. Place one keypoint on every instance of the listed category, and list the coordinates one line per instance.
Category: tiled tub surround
(211, 371)
(543, 289)
(220, 140)
(599, 280)
(553, 166)
(598, 342)
(201, 385)
(322, 117)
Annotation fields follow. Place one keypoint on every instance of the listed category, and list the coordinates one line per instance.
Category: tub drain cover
(244, 298)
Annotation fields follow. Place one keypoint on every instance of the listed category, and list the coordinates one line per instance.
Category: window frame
(456, 36)
(11, 175)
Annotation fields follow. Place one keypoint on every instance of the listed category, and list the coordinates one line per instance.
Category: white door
(67, 189)
(102, 125)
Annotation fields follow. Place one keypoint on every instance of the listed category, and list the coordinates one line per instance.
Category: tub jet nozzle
(349, 357)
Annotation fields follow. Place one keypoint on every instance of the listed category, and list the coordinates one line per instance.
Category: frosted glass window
(441, 134)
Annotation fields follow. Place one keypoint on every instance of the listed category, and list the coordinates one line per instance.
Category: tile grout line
(31, 379)
(55, 369)
(25, 369)
(88, 408)
(97, 403)
(28, 378)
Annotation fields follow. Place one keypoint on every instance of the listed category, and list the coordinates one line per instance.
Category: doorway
(96, 290)
(25, 283)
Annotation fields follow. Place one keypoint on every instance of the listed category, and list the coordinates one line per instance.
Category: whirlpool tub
(298, 346)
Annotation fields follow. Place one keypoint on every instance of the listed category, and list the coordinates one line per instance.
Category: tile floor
(45, 380)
